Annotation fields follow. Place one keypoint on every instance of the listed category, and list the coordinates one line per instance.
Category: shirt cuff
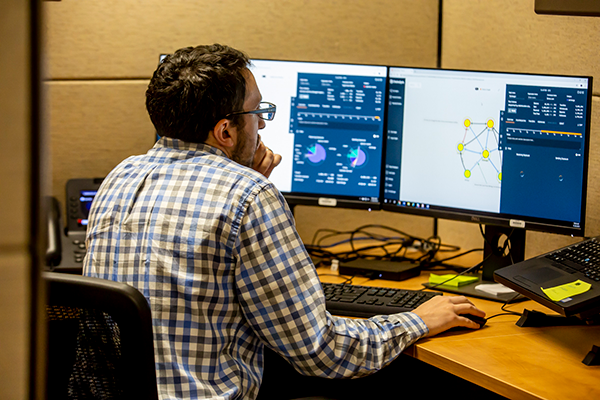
(413, 324)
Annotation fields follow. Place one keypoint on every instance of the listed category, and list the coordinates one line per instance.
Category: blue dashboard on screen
(329, 129)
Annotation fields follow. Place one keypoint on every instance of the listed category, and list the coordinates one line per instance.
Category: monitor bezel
(503, 220)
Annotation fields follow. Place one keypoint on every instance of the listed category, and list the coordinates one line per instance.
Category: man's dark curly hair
(194, 88)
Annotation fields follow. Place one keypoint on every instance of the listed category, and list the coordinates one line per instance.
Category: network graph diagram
(479, 151)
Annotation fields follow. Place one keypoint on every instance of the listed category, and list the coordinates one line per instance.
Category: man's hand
(444, 312)
(264, 159)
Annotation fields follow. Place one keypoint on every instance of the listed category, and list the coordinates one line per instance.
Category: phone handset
(54, 239)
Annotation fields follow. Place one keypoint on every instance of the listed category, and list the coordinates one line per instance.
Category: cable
(347, 279)
(503, 308)
(400, 242)
(506, 312)
(457, 256)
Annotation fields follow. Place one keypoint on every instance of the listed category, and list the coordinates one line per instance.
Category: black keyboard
(583, 257)
(367, 301)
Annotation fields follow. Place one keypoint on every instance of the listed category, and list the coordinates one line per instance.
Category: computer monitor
(329, 128)
(506, 150)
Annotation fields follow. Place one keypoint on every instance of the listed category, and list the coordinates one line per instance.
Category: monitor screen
(329, 128)
(495, 148)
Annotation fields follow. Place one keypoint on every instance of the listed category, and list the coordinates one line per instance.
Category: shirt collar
(177, 144)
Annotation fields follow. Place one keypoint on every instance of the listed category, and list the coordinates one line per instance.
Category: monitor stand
(503, 246)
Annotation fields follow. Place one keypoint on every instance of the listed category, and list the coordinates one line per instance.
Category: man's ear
(224, 134)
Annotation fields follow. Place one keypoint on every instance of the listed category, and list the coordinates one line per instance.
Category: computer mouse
(478, 320)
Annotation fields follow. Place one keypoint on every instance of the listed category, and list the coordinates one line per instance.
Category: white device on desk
(66, 247)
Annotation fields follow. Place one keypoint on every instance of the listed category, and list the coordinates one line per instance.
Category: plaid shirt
(213, 247)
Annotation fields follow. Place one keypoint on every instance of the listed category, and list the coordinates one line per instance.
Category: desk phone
(66, 246)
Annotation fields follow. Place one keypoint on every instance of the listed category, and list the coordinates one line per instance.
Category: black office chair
(100, 341)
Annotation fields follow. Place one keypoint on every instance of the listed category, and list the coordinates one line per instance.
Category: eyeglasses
(264, 111)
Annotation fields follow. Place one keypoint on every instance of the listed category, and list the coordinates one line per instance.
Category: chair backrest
(100, 342)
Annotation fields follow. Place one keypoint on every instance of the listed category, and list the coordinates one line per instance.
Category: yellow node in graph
(500, 176)
(486, 154)
(461, 147)
(467, 173)
(467, 123)
(490, 123)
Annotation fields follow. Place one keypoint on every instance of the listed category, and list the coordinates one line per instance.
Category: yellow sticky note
(562, 292)
(452, 279)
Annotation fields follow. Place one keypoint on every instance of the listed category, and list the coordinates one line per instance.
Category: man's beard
(241, 154)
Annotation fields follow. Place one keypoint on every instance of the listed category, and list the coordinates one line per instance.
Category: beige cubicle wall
(100, 56)
(113, 39)
(94, 124)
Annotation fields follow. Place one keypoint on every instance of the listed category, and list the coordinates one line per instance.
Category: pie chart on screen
(315, 153)
(357, 157)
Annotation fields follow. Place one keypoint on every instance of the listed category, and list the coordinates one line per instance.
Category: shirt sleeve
(282, 299)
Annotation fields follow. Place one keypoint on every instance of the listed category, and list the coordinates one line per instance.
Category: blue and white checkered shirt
(213, 247)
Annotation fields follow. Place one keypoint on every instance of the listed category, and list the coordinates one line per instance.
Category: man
(198, 228)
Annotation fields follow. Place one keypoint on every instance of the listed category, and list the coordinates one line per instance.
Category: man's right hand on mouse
(444, 312)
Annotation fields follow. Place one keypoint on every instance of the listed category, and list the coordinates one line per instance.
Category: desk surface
(518, 363)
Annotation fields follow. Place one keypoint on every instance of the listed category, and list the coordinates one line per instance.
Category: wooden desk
(518, 363)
